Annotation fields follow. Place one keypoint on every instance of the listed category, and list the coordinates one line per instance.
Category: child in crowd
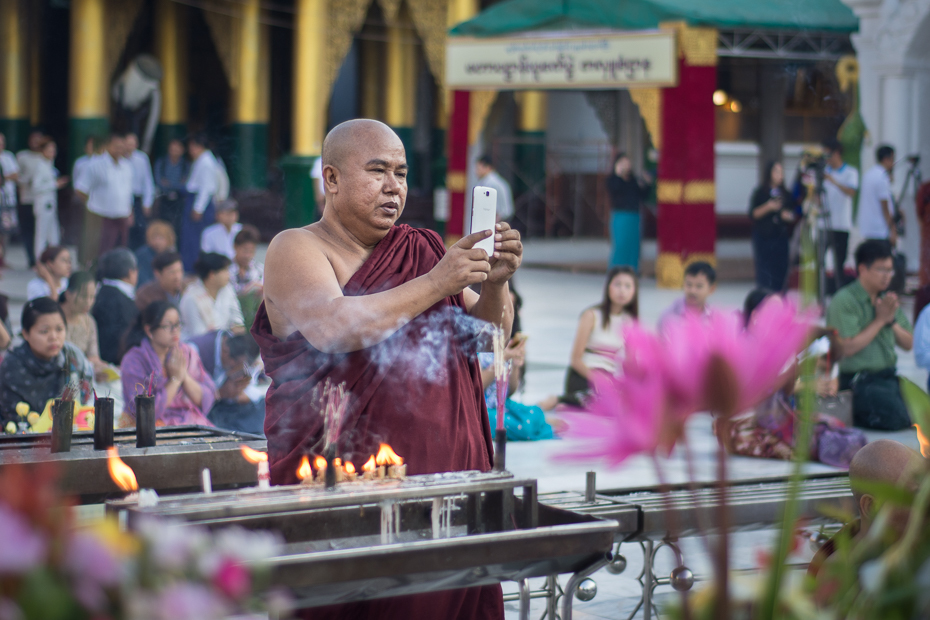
(53, 269)
(700, 284)
(76, 302)
(210, 302)
(39, 369)
(247, 274)
(219, 238)
(159, 237)
(45, 186)
(183, 390)
(598, 345)
(522, 422)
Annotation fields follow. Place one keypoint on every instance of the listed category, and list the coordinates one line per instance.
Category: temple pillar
(400, 85)
(685, 190)
(531, 142)
(88, 84)
(14, 103)
(171, 50)
(457, 106)
(249, 126)
(310, 96)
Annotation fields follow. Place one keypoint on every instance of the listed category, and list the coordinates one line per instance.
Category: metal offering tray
(380, 538)
(174, 465)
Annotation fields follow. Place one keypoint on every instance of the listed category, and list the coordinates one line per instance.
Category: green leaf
(44, 595)
(918, 404)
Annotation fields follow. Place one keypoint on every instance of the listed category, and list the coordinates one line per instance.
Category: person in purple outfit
(182, 388)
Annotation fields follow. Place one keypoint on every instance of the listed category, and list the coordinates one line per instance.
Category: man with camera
(878, 218)
(840, 182)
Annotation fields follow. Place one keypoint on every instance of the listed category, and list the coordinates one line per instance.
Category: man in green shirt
(870, 322)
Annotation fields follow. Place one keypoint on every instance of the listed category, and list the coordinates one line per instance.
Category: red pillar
(687, 227)
(457, 171)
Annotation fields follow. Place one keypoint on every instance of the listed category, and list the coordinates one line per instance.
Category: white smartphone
(484, 215)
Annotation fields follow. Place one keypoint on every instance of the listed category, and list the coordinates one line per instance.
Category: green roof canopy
(513, 16)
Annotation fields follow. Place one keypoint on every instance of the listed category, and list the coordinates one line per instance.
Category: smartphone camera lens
(487, 193)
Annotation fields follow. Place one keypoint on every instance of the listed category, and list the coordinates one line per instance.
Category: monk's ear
(330, 179)
(867, 507)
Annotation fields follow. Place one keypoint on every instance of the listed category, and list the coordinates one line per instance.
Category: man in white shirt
(27, 160)
(143, 191)
(106, 184)
(199, 211)
(840, 182)
(876, 205)
(488, 177)
(219, 237)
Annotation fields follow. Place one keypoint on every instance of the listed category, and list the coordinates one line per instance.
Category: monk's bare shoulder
(297, 270)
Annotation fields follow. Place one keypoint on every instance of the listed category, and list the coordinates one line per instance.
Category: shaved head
(351, 136)
(887, 461)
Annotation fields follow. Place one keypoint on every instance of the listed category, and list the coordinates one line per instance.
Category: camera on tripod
(812, 168)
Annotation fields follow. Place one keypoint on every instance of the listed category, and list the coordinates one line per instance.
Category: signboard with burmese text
(588, 61)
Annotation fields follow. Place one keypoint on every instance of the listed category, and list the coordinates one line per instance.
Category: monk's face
(369, 186)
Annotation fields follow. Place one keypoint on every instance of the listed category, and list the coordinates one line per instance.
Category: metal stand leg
(649, 578)
(524, 599)
(577, 578)
(552, 601)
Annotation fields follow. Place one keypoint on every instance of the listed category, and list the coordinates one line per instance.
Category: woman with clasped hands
(183, 390)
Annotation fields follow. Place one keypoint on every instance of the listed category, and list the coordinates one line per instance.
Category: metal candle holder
(62, 424)
(103, 423)
(500, 450)
(145, 421)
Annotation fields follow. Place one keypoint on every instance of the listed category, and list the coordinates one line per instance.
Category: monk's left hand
(508, 254)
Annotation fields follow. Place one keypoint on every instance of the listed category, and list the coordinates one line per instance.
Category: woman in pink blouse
(184, 392)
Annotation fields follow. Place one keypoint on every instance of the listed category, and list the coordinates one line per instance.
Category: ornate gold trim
(696, 44)
(699, 192)
(430, 19)
(669, 192)
(479, 106)
(670, 267)
(390, 9)
(649, 102)
(456, 181)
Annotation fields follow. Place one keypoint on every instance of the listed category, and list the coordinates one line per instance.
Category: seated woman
(53, 269)
(44, 364)
(599, 339)
(768, 429)
(210, 302)
(159, 237)
(183, 390)
(76, 301)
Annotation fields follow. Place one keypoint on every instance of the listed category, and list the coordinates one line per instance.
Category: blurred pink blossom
(188, 601)
(94, 568)
(695, 364)
(232, 579)
(23, 548)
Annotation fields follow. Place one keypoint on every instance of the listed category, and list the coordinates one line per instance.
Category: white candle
(207, 482)
(264, 475)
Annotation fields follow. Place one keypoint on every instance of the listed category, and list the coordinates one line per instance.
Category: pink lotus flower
(698, 363)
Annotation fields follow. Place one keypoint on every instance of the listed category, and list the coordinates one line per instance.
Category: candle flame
(304, 471)
(253, 456)
(337, 462)
(320, 463)
(349, 467)
(924, 443)
(369, 465)
(386, 456)
(120, 472)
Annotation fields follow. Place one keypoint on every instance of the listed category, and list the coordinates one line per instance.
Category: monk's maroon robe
(419, 391)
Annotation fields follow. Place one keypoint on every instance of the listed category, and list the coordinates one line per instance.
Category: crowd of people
(165, 272)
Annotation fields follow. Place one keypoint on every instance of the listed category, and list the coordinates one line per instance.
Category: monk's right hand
(462, 266)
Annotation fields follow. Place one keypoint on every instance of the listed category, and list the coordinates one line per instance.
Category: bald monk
(882, 460)
(384, 308)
